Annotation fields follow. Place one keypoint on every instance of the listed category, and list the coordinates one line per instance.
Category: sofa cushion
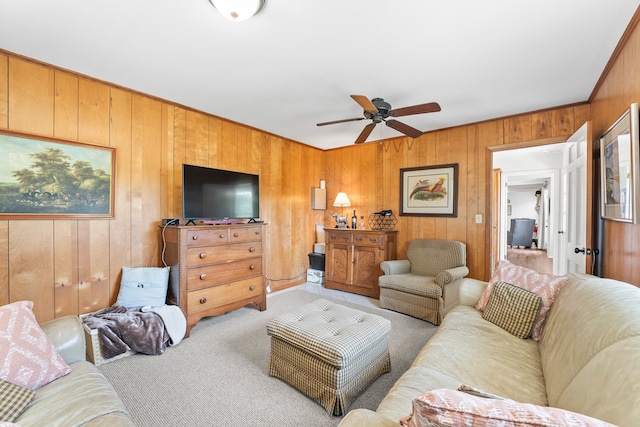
(512, 308)
(13, 400)
(27, 356)
(546, 286)
(454, 408)
(414, 284)
(143, 286)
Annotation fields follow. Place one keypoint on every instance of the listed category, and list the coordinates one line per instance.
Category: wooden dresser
(353, 259)
(215, 268)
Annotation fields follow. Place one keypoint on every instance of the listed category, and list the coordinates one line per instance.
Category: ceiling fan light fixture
(238, 10)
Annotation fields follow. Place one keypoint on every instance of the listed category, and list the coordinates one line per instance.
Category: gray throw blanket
(121, 329)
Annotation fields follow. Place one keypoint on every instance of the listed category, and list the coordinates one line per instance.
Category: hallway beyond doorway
(534, 259)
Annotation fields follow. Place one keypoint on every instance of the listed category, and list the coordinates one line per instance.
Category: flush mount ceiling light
(238, 10)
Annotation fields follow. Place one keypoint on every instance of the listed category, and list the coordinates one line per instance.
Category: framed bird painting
(429, 191)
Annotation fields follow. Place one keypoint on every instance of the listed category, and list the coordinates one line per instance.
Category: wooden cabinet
(353, 259)
(214, 268)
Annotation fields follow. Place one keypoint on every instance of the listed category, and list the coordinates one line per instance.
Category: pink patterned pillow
(546, 286)
(445, 408)
(27, 356)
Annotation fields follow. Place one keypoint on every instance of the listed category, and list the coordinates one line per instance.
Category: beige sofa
(586, 360)
(83, 397)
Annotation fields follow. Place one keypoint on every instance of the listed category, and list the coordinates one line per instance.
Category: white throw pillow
(143, 286)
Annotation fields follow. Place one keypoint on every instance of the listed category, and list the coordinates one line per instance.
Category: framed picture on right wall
(619, 182)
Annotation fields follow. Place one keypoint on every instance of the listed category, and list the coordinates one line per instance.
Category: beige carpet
(219, 376)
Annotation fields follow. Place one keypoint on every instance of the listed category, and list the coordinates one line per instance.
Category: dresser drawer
(368, 240)
(215, 254)
(197, 237)
(340, 237)
(248, 234)
(207, 299)
(209, 275)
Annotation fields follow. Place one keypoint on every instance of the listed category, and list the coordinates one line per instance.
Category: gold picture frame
(43, 177)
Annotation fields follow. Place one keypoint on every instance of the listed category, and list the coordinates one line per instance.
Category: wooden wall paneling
(474, 231)
(120, 230)
(178, 155)
(442, 156)
(215, 142)
(393, 162)
(146, 183)
(4, 91)
(542, 125)
(229, 152)
(31, 265)
(93, 265)
(332, 185)
(170, 203)
(31, 92)
(93, 112)
(517, 128)
(66, 279)
(299, 206)
(197, 134)
(581, 114)
(4, 262)
(366, 161)
(457, 153)
(562, 121)
(254, 151)
(242, 143)
(66, 100)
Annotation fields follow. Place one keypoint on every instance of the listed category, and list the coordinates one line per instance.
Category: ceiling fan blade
(406, 129)
(365, 133)
(340, 121)
(365, 103)
(430, 107)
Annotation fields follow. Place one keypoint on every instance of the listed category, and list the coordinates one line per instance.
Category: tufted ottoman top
(332, 332)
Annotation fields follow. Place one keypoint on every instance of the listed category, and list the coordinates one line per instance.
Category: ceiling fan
(378, 110)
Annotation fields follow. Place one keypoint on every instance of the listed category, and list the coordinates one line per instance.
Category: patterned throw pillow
(452, 408)
(27, 356)
(512, 308)
(13, 400)
(546, 286)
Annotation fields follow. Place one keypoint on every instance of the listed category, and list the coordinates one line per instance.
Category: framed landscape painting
(429, 191)
(43, 177)
(619, 168)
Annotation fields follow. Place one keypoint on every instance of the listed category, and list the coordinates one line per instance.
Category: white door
(573, 232)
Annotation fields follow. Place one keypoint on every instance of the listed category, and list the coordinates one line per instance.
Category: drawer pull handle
(203, 300)
(203, 276)
(252, 249)
(195, 237)
(202, 255)
(359, 239)
(257, 233)
(235, 234)
(345, 237)
(221, 236)
(333, 237)
(252, 287)
(252, 267)
(373, 240)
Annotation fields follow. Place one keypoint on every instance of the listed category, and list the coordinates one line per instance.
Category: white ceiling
(296, 63)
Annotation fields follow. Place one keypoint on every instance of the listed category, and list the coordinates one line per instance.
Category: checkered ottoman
(329, 352)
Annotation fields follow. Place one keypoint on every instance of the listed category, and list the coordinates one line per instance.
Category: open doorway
(530, 205)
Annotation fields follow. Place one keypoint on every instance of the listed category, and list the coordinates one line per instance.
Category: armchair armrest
(396, 266)
(67, 335)
(450, 275)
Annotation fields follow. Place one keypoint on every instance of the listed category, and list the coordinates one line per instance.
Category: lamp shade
(238, 10)
(342, 200)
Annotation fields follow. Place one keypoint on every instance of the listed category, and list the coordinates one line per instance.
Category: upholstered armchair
(521, 232)
(426, 284)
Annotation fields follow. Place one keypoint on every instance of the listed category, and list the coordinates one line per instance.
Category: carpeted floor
(219, 376)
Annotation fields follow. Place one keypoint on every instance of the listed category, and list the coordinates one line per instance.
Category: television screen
(209, 193)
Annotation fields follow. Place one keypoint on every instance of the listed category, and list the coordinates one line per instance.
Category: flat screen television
(217, 194)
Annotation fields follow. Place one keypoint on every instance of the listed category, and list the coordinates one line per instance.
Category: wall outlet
(478, 218)
(170, 221)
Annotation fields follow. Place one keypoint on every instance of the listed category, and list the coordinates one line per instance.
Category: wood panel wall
(73, 266)
(618, 88)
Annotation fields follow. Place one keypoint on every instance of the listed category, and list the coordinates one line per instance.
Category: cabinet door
(366, 266)
(339, 263)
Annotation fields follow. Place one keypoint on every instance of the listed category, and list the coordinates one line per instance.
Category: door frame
(492, 204)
